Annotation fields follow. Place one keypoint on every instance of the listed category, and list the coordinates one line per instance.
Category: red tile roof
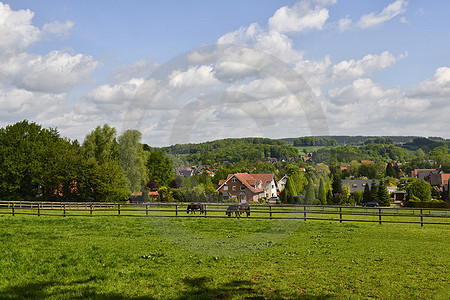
(251, 181)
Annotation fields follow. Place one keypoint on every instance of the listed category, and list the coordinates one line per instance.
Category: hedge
(428, 204)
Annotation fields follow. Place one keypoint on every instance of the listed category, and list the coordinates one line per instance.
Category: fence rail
(217, 210)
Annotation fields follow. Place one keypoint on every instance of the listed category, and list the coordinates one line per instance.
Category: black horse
(245, 208)
(238, 209)
(196, 206)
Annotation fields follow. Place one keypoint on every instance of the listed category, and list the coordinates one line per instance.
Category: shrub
(427, 204)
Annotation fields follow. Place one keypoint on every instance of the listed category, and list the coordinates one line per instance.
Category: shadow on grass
(43, 290)
(197, 288)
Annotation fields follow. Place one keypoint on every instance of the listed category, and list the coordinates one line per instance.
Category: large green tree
(101, 144)
(133, 160)
(373, 196)
(24, 149)
(160, 168)
(383, 195)
(420, 189)
(310, 195)
(322, 193)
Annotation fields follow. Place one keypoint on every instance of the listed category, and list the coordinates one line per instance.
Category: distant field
(116, 257)
(308, 149)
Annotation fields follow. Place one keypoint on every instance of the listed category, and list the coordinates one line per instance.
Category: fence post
(64, 210)
(146, 210)
(421, 218)
(176, 210)
(39, 209)
(304, 213)
(270, 209)
(13, 209)
(118, 209)
(91, 210)
(340, 214)
(379, 215)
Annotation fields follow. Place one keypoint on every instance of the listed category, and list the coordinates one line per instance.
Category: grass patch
(180, 258)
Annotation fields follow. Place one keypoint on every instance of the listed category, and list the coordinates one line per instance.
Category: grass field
(181, 258)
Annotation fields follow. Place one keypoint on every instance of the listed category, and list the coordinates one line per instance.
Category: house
(139, 197)
(423, 173)
(184, 172)
(248, 187)
(210, 173)
(438, 179)
(363, 161)
(358, 184)
(282, 183)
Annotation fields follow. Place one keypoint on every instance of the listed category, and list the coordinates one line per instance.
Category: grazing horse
(237, 209)
(196, 206)
(245, 208)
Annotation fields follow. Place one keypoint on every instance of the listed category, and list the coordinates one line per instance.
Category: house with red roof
(248, 187)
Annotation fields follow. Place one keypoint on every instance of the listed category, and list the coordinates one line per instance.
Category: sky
(193, 71)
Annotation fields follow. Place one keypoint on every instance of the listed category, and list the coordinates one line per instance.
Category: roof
(358, 184)
(250, 181)
(416, 171)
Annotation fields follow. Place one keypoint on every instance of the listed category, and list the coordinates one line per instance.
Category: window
(234, 188)
(242, 187)
(225, 188)
(234, 179)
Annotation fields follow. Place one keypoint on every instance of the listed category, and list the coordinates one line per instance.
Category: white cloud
(301, 17)
(57, 28)
(436, 87)
(403, 20)
(18, 103)
(55, 72)
(367, 65)
(197, 76)
(16, 30)
(242, 35)
(344, 24)
(140, 69)
(119, 93)
(389, 12)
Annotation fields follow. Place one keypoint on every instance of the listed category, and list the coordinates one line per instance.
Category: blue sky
(374, 67)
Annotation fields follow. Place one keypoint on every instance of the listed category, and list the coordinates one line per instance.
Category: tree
(68, 175)
(390, 171)
(109, 182)
(287, 195)
(322, 193)
(329, 197)
(366, 194)
(358, 196)
(23, 159)
(160, 168)
(336, 185)
(421, 189)
(310, 196)
(383, 195)
(101, 144)
(132, 160)
(373, 196)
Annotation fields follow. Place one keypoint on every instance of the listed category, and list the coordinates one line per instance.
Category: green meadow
(202, 258)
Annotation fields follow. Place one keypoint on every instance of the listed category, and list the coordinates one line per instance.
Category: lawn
(180, 258)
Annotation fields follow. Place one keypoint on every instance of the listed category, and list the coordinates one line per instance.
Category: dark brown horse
(238, 209)
(192, 207)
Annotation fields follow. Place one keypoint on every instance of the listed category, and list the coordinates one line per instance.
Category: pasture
(229, 258)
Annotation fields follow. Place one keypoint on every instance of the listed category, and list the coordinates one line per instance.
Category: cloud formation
(392, 10)
(302, 16)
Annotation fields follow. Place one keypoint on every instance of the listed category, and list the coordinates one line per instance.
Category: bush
(427, 204)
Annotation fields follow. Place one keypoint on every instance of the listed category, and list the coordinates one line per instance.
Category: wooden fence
(217, 210)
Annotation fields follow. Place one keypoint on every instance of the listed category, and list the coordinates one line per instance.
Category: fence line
(212, 210)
